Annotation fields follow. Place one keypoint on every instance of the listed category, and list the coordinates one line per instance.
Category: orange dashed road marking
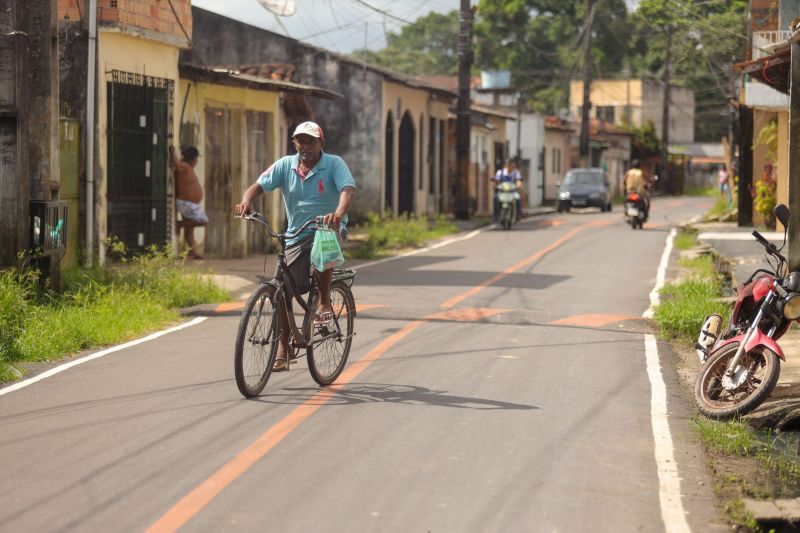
(194, 502)
(594, 320)
(467, 315)
(229, 306)
(452, 302)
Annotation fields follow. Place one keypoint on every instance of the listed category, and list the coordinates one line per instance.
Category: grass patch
(749, 463)
(720, 207)
(379, 236)
(685, 240)
(694, 190)
(97, 307)
(685, 304)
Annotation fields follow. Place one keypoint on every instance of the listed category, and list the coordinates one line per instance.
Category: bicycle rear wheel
(326, 360)
(256, 341)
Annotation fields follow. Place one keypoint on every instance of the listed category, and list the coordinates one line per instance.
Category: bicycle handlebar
(258, 217)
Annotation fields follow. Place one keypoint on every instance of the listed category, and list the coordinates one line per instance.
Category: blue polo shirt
(306, 199)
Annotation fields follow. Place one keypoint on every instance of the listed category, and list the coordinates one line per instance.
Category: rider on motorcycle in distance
(508, 173)
(640, 183)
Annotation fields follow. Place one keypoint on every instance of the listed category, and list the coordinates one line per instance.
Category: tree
(708, 37)
(539, 41)
(426, 47)
(644, 141)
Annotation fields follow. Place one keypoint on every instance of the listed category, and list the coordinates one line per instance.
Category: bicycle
(327, 345)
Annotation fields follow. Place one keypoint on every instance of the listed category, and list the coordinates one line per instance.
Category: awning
(234, 79)
(772, 70)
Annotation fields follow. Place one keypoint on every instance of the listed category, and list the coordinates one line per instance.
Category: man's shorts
(298, 260)
(191, 211)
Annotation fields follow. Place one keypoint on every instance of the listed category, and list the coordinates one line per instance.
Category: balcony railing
(763, 40)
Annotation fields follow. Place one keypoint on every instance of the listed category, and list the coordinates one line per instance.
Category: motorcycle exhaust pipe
(709, 334)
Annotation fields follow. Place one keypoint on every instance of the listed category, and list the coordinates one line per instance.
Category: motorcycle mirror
(782, 214)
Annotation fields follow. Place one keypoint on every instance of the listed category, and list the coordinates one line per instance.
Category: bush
(99, 306)
(685, 305)
(16, 291)
(395, 232)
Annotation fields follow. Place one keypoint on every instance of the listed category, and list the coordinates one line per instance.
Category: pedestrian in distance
(314, 183)
(189, 194)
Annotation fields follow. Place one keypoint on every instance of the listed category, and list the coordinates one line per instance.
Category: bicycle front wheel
(256, 341)
(327, 358)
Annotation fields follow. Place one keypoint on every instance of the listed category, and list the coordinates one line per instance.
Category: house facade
(636, 102)
(388, 127)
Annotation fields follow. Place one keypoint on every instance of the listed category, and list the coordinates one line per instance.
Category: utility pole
(668, 186)
(587, 86)
(462, 200)
(519, 127)
(794, 158)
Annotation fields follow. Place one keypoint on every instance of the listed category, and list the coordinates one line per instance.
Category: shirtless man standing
(189, 196)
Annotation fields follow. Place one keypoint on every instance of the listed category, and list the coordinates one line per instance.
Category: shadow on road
(359, 393)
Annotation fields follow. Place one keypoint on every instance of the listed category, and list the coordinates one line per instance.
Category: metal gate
(139, 194)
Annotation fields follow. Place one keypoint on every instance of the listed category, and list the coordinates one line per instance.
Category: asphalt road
(497, 383)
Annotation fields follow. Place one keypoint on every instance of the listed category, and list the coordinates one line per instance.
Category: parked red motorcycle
(741, 365)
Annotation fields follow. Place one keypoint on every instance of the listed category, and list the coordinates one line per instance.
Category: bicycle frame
(286, 292)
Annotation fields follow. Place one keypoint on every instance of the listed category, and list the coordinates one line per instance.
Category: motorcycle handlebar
(771, 248)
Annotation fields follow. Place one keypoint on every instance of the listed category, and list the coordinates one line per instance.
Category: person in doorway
(724, 186)
(510, 174)
(314, 184)
(640, 183)
(189, 194)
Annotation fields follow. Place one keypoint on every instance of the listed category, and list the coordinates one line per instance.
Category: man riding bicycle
(314, 184)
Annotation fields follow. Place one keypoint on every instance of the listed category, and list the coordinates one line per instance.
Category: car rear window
(583, 178)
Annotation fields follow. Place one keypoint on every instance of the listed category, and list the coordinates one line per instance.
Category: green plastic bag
(326, 252)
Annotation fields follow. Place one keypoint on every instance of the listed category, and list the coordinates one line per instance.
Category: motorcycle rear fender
(758, 339)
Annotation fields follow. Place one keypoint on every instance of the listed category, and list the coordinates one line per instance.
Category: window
(605, 113)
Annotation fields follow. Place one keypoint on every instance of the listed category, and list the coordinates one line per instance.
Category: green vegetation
(685, 240)
(774, 470)
(381, 235)
(720, 207)
(686, 303)
(541, 43)
(97, 307)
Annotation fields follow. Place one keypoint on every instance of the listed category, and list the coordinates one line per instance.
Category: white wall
(532, 141)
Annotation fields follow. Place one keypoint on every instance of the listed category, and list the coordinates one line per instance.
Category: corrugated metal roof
(228, 77)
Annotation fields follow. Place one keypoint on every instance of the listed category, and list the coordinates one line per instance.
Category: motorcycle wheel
(714, 401)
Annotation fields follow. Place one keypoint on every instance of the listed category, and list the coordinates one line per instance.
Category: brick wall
(152, 15)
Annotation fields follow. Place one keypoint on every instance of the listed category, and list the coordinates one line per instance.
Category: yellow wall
(607, 92)
(400, 99)
(116, 51)
(202, 95)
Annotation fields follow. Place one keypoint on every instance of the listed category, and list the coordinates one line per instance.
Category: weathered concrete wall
(353, 125)
(28, 116)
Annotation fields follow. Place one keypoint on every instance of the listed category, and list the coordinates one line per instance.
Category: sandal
(280, 365)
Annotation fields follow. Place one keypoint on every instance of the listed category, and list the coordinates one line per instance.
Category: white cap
(308, 128)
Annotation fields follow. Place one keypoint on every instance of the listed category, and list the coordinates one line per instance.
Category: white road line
(97, 355)
(672, 512)
(661, 276)
(737, 236)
